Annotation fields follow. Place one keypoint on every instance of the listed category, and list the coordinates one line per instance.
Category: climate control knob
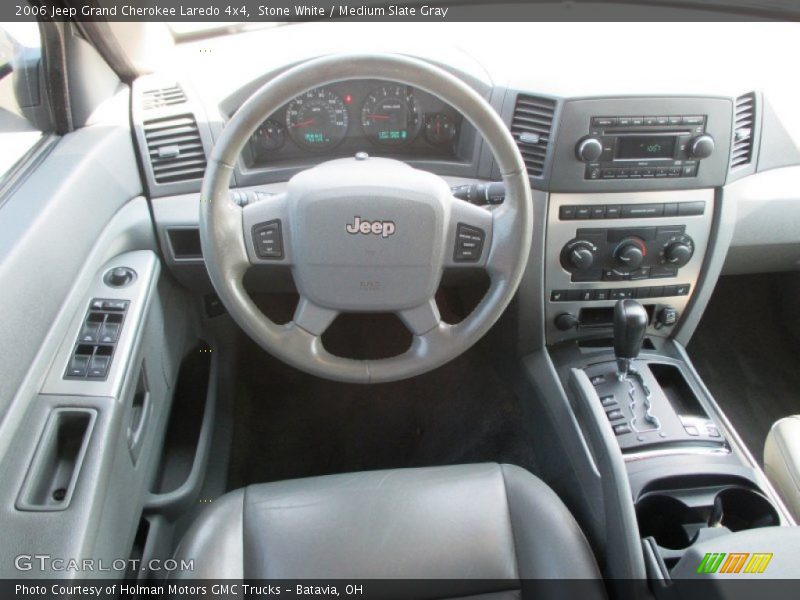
(679, 251)
(578, 255)
(581, 258)
(589, 149)
(630, 253)
(701, 147)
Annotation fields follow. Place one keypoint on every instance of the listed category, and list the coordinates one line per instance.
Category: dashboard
(647, 183)
(383, 118)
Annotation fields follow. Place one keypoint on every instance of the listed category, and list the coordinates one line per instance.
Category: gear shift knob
(630, 322)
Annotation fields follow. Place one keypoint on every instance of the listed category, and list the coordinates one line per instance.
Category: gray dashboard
(551, 106)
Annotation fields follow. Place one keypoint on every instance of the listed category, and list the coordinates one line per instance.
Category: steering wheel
(365, 234)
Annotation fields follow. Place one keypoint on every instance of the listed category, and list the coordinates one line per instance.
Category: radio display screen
(634, 147)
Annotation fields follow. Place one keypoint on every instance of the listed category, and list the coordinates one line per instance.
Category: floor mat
(289, 424)
(747, 356)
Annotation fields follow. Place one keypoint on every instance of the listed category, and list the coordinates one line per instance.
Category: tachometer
(317, 120)
(390, 115)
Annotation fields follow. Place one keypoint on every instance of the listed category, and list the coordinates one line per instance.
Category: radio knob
(630, 253)
(701, 147)
(589, 150)
(678, 253)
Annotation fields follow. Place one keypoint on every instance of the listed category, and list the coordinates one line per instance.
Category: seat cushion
(479, 522)
(782, 461)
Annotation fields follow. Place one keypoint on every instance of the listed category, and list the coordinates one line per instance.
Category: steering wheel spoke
(313, 318)
(469, 237)
(267, 235)
(421, 319)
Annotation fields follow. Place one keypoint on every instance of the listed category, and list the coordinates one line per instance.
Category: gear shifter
(630, 322)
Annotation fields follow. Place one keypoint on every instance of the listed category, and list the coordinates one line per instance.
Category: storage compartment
(185, 421)
(677, 518)
(185, 243)
(677, 390)
(56, 465)
(669, 521)
(740, 508)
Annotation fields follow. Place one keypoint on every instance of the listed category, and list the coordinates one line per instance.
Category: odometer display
(317, 120)
(390, 115)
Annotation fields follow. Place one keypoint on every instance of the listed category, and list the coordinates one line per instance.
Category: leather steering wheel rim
(224, 241)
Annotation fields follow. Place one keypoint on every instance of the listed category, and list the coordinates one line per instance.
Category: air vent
(743, 130)
(175, 148)
(161, 97)
(530, 127)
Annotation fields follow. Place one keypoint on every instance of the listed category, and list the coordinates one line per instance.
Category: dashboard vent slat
(175, 149)
(530, 128)
(161, 97)
(742, 152)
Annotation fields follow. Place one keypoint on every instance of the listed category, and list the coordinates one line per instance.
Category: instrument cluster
(379, 117)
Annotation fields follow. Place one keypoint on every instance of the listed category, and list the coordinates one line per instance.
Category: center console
(604, 247)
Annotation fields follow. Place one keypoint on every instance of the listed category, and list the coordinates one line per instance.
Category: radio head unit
(645, 147)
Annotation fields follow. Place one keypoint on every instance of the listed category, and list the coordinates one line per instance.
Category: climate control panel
(627, 253)
(603, 247)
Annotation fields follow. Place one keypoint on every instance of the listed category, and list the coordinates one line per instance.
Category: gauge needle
(304, 123)
(379, 117)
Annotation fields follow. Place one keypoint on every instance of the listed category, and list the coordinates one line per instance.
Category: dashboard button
(670, 209)
(687, 209)
(642, 210)
(648, 172)
(613, 211)
(637, 120)
(558, 296)
(659, 272)
(650, 121)
(689, 171)
(608, 173)
(637, 274)
(566, 213)
(604, 121)
(682, 290)
(662, 120)
(583, 212)
(675, 120)
(661, 172)
(615, 415)
(601, 295)
(693, 120)
(623, 121)
(585, 295)
(674, 172)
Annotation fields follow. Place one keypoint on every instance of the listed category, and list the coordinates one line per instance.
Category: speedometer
(390, 115)
(317, 120)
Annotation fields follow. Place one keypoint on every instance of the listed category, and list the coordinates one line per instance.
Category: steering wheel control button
(268, 240)
(119, 277)
(469, 243)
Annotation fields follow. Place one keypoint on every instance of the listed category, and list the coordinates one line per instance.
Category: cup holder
(665, 518)
(740, 508)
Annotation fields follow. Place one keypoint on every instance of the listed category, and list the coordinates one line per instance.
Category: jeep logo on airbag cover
(381, 228)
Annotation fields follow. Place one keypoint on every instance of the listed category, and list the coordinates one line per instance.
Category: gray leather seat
(468, 522)
(782, 461)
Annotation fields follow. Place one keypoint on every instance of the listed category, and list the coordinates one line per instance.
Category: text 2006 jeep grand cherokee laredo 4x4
(431, 308)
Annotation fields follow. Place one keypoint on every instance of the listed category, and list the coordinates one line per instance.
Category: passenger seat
(782, 461)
